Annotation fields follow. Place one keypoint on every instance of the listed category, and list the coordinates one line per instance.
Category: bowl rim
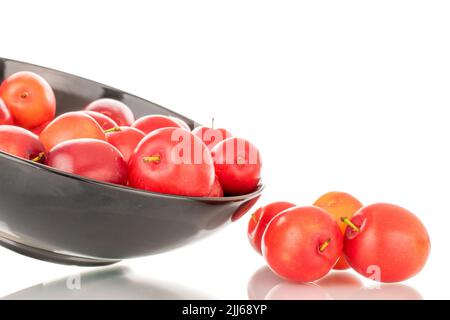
(100, 84)
(40, 166)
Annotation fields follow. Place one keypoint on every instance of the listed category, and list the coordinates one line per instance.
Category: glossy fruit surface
(148, 124)
(172, 161)
(20, 142)
(114, 109)
(5, 114)
(238, 166)
(211, 137)
(302, 244)
(182, 123)
(29, 98)
(90, 158)
(216, 191)
(339, 205)
(387, 243)
(105, 122)
(37, 130)
(261, 218)
(68, 126)
(125, 139)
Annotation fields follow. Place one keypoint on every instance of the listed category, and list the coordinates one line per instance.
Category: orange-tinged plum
(29, 98)
(69, 126)
(338, 205)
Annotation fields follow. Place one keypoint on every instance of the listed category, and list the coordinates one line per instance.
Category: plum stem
(324, 245)
(254, 218)
(350, 224)
(212, 123)
(113, 129)
(39, 157)
(153, 158)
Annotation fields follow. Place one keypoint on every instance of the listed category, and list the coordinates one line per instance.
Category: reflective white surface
(188, 273)
(339, 285)
(121, 282)
(106, 283)
(338, 95)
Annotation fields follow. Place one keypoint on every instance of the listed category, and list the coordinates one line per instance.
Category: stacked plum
(105, 142)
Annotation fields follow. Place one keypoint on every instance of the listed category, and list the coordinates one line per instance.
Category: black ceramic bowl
(51, 215)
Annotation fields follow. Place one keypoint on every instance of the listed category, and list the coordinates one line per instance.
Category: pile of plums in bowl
(105, 142)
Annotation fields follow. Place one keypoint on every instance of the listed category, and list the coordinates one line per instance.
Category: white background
(338, 95)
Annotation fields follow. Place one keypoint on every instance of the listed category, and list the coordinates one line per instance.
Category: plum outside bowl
(63, 218)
